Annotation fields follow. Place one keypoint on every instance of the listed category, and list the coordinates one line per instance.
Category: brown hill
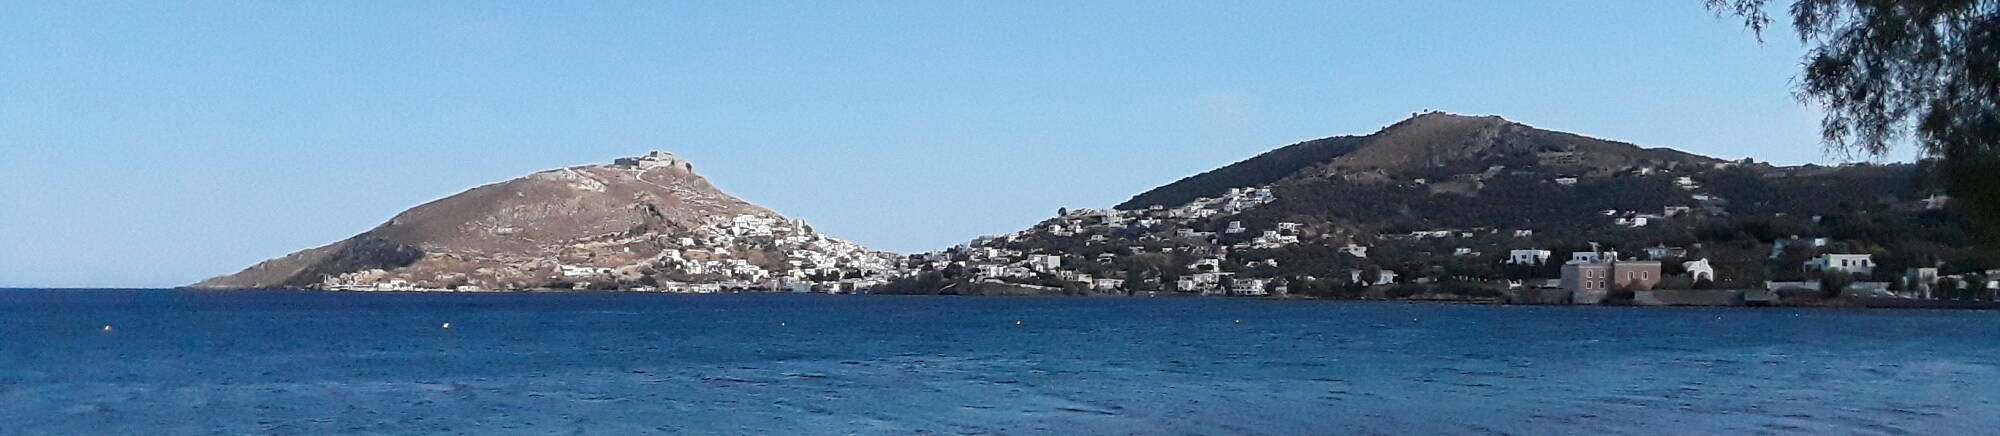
(643, 219)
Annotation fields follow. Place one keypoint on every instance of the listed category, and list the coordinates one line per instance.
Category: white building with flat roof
(1248, 287)
(1861, 264)
(1593, 256)
(1528, 257)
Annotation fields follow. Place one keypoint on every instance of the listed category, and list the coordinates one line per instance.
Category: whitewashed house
(1663, 252)
(1528, 257)
(1935, 202)
(1593, 256)
(1699, 270)
(1107, 284)
(1387, 278)
(1861, 264)
(1354, 250)
(1044, 262)
(1248, 287)
(1018, 272)
(575, 271)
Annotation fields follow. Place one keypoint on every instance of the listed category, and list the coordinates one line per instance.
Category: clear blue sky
(153, 144)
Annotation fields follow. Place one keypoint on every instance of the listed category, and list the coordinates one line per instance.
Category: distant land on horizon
(1438, 198)
(1479, 208)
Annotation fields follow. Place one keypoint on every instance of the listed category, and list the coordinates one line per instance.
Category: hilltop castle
(656, 159)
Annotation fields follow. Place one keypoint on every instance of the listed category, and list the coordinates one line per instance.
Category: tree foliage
(1890, 70)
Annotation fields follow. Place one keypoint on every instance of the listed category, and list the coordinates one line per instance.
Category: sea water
(183, 362)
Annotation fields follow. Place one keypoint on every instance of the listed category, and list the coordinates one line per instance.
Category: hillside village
(1436, 207)
(644, 223)
(1178, 250)
(1667, 231)
(707, 260)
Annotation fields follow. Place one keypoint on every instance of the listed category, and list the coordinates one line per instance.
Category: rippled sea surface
(318, 363)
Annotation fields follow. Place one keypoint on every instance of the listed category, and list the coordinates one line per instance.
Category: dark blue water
(319, 363)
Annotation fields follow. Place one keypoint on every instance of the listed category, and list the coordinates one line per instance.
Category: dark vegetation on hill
(1260, 170)
(1433, 144)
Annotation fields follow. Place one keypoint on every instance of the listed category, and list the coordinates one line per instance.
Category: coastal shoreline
(1423, 299)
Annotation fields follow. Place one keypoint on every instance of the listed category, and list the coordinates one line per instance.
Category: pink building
(1590, 282)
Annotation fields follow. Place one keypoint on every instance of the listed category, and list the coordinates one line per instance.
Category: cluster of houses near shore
(1590, 277)
(989, 260)
(811, 261)
(1586, 277)
(1589, 274)
(1213, 252)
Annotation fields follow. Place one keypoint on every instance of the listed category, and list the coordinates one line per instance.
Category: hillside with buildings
(1438, 206)
(1444, 206)
(640, 223)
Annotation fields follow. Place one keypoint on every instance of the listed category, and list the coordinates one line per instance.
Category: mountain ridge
(1423, 139)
